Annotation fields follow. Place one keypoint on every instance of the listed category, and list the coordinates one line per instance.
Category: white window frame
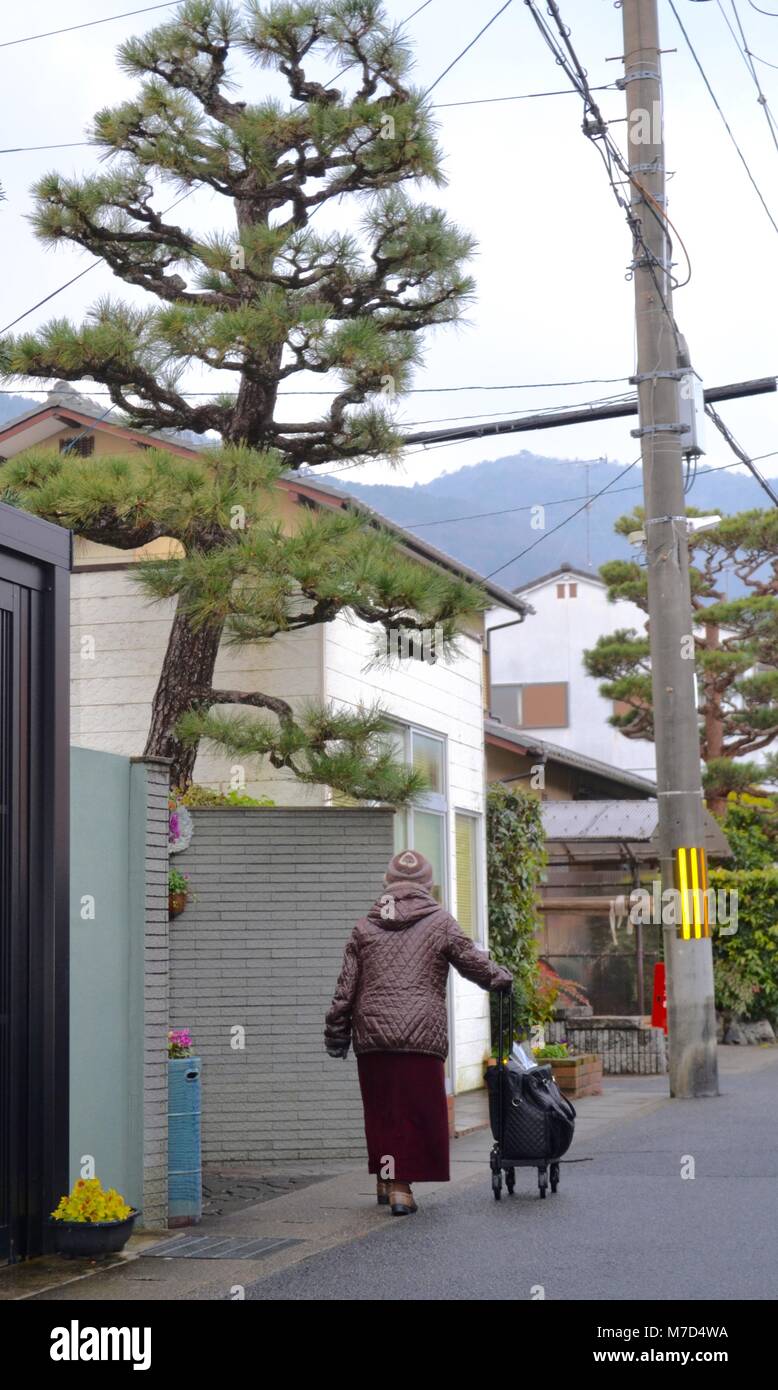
(435, 802)
(478, 870)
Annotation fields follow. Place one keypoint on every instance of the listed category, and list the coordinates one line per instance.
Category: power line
(757, 59)
(565, 522)
(81, 273)
(770, 13)
(30, 149)
(748, 59)
(727, 126)
(596, 129)
(88, 24)
(413, 391)
(521, 96)
(471, 44)
(436, 106)
(741, 454)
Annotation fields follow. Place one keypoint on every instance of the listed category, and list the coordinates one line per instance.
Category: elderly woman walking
(390, 1000)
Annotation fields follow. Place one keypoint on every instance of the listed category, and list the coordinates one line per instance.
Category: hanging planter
(177, 892)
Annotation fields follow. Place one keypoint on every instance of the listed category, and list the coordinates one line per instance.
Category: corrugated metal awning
(601, 829)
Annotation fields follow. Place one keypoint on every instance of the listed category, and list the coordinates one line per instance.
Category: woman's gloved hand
(338, 1051)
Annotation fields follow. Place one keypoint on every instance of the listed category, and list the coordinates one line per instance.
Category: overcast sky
(553, 301)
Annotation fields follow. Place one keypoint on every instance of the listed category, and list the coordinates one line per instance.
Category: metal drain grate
(220, 1247)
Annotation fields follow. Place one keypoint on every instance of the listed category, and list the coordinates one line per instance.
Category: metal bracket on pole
(666, 266)
(657, 521)
(637, 76)
(659, 429)
(652, 168)
(677, 374)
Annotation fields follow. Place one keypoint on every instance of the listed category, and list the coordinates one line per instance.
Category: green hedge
(746, 964)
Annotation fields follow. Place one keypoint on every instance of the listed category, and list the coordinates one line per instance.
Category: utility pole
(688, 962)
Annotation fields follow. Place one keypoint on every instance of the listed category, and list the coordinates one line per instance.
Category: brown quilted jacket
(391, 991)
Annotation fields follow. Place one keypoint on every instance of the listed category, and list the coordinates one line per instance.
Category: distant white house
(537, 677)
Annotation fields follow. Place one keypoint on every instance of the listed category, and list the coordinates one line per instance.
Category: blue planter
(185, 1180)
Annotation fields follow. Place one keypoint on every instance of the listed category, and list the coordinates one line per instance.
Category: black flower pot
(88, 1239)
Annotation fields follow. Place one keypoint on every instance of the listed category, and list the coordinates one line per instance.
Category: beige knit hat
(410, 867)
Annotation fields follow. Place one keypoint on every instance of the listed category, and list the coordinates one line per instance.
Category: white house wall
(549, 647)
(112, 690)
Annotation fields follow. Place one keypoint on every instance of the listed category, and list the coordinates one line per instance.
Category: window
(560, 590)
(467, 873)
(544, 706)
(428, 832)
(572, 591)
(423, 826)
(79, 445)
(567, 590)
(504, 704)
(428, 759)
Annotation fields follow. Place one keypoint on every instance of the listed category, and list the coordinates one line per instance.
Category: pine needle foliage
(277, 301)
(736, 648)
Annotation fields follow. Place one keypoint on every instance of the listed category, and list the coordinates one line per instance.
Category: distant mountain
(495, 499)
(11, 406)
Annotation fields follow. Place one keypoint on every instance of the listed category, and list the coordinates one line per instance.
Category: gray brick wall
(253, 966)
(155, 997)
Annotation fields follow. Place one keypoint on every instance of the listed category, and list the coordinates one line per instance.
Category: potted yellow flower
(91, 1220)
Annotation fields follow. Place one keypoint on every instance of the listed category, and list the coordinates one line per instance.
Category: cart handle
(500, 1064)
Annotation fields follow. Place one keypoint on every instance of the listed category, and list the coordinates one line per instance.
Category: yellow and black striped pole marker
(691, 877)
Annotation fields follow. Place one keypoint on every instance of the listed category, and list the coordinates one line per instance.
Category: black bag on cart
(538, 1121)
(529, 1116)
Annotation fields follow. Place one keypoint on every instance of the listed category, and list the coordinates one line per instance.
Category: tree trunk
(187, 668)
(713, 724)
(713, 727)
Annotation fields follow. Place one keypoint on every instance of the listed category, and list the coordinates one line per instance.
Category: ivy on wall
(516, 859)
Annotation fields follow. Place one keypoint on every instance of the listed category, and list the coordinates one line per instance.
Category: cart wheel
(494, 1159)
(510, 1179)
(554, 1176)
(496, 1185)
(542, 1181)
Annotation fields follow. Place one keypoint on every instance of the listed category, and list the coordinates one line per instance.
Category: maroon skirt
(406, 1115)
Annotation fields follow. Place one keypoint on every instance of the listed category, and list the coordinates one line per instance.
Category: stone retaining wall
(628, 1045)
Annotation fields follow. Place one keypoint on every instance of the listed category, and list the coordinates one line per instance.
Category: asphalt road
(625, 1225)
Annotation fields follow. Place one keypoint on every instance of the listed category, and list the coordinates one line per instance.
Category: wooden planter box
(579, 1076)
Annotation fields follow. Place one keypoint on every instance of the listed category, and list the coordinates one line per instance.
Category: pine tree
(267, 300)
(735, 648)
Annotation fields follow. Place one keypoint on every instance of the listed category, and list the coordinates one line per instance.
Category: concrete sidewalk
(331, 1212)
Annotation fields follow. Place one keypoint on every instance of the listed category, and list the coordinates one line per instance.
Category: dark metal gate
(34, 851)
